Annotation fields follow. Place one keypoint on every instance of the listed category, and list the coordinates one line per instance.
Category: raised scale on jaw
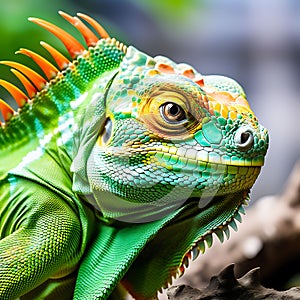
(117, 167)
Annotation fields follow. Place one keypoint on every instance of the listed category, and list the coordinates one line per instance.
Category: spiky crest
(17, 94)
(6, 111)
(49, 70)
(29, 87)
(99, 29)
(73, 46)
(36, 78)
(34, 82)
(89, 37)
(61, 61)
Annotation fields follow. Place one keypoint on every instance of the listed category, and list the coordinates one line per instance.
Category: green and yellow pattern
(117, 168)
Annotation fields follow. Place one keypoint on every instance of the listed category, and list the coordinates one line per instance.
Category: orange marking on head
(224, 111)
(6, 110)
(49, 70)
(199, 81)
(205, 101)
(233, 115)
(224, 97)
(17, 94)
(99, 29)
(242, 101)
(164, 68)
(90, 38)
(189, 73)
(72, 45)
(217, 106)
(153, 72)
(36, 78)
(30, 88)
(230, 103)
(60, 59)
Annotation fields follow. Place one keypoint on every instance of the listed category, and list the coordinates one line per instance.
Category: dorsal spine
(52, 98)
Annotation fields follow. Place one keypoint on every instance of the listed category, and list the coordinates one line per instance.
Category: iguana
(117, 168)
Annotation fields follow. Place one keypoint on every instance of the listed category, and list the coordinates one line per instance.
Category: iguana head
(171, 136)
(174, 140)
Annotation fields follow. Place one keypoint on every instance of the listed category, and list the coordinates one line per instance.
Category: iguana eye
(172, 112)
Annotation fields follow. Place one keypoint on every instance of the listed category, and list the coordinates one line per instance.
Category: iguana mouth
(186, 234)
(205, 241)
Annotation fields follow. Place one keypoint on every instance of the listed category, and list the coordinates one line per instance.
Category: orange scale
(233, 115)
(199, 81)
(224, 111)
(164, 68)
(242, 101)
(189, 73)
(153, 72)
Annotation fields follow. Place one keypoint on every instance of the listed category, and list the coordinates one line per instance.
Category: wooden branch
(225, 286)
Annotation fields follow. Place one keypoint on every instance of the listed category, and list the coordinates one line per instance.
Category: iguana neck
(60, 110)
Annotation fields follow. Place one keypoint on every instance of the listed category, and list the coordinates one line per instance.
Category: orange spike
(189, 73)
(199, 81)
(30, 88)
(49, 70)
(60, 59)
(164, 68)
(99, 29)
(72, 45)
(18, 95)
(6, 110)
(36, 78)
(90, 38)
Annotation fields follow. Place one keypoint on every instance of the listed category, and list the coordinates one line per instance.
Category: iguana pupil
(172, 112)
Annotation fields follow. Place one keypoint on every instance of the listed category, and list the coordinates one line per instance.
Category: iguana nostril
(244, 138)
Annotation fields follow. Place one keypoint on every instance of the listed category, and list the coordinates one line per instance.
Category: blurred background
(257, 42)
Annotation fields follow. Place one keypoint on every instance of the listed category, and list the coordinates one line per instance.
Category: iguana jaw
(183, 238)
(205, 240)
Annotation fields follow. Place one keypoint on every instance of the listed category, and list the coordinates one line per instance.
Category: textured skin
(121, 167)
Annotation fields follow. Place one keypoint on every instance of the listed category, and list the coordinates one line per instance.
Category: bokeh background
(257, 42)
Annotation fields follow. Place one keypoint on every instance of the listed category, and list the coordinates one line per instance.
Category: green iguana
(116, 168)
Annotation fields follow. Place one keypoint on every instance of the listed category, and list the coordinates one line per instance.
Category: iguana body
(119, 166)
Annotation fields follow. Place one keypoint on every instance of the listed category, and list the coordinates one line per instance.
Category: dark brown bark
(225, 286)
